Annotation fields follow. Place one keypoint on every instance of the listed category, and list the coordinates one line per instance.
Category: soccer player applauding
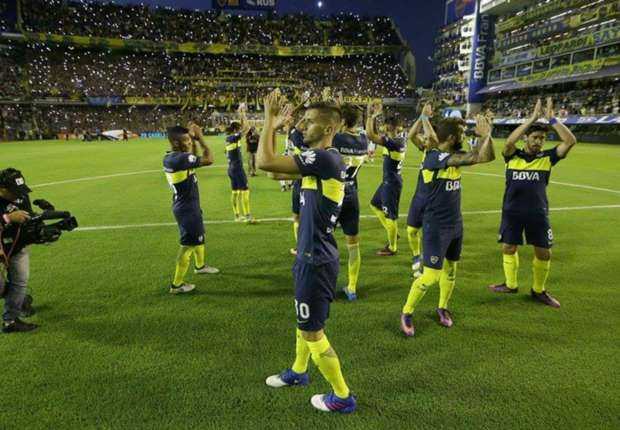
(179, 165)
(387, 197)
(353, 146)
(525, 208)
(316, 266)
(418, 202)
(240, 197)
(443, 222)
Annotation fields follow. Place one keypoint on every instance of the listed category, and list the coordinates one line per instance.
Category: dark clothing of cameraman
(252, 147)
(17, 264)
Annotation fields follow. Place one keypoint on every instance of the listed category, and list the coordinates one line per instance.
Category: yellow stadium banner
(537, 13)
(583, 68)
(212, 48)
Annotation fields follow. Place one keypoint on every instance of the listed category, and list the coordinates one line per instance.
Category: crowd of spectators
(601, 97)
(41, 71)
(165, 24)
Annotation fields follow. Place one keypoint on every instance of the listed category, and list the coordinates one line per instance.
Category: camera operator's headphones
(13, 180)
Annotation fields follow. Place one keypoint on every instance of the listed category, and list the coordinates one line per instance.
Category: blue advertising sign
(480, 56)
(245, 4)
(457, 9)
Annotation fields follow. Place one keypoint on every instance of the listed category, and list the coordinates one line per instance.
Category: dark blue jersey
(179, 169)
(527, 177)
(420, 189)
(442, 185)
(393, 157)
(322, 193)
(354, 150)
(297, 139)
(233, 150)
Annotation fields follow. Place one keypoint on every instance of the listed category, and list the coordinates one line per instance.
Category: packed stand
(165, 24)
(582, 98)
(74, 73)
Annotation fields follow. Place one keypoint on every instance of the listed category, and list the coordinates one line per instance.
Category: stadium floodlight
(320, 4)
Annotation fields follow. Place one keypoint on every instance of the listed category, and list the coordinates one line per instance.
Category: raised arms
(373, 111)
(267, 159)
(195, 131)
(482, 153)
(568, 138)
(511, 143)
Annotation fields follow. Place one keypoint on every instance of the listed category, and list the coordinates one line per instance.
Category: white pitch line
(116, 175)
(285, 219)
(142, 172)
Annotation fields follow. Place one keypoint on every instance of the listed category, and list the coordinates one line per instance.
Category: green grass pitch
(115, 350)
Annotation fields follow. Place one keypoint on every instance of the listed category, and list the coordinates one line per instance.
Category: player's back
(393, 157)
(233, 150)
(354, 150)
(180, 174)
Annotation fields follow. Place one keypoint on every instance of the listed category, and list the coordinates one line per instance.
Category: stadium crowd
(582, 98)
(165, 24)
(46, 72)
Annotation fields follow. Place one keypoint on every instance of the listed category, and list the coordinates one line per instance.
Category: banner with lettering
(481, 53)
(214, 48)
(606, 11)
(268, 5)
(584, 41)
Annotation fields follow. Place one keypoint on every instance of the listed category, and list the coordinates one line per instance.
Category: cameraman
(14, 211)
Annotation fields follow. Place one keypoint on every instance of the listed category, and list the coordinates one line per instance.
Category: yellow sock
(234, 199)
(379, 213)
(302, 354)
(295, 229)
(447, 280)
(511, 269)
(327, 361)
(245, 202)
(183, 258)
(392, 232)
(355, 261)
(414, 236)
(199, 256)
(541, 272)
(429, 278)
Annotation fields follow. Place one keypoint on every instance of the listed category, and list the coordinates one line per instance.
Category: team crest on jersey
(192, 158)
(307, 157)
(434, 259)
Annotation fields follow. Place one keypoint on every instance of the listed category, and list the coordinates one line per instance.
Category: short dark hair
(392, 120)
(350, 115)
(537, 127)
(175, 132)
(328, 110)
(449, 127)
(233, 127)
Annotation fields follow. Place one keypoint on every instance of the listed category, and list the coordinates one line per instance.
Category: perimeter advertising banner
(481, 54)
(268, 5)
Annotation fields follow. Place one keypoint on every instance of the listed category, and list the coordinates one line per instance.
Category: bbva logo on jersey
(526, 176)
(453, 185)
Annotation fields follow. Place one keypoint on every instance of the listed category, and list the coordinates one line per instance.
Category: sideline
(285, 219)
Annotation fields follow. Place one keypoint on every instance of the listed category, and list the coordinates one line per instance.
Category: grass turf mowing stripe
(284, 219)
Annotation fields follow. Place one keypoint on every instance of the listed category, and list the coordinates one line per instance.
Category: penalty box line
(289, 219)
